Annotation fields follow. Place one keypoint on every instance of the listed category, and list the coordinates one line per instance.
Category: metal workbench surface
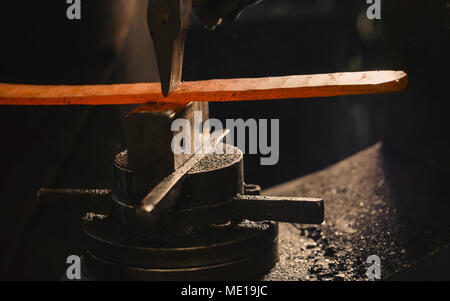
(376, 203)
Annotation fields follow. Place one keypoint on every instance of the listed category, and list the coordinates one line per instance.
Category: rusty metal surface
(377, 204)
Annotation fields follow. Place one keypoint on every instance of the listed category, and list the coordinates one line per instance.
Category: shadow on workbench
(377, 203)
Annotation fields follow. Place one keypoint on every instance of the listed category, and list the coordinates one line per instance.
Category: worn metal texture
(246, 268)
(106, 238)
(149, 138)
(283, 209)
(198, 199)
(207, 189)
(98, 200)
(217, 178)
(378, 203)
(166, 193)
(123, 179)
(168, 22)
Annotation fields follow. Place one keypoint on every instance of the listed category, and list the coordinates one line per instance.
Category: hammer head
(168, 21)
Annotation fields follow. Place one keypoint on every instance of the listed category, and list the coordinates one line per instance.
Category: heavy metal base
(241, 251)
(186, 244)
(187, 216)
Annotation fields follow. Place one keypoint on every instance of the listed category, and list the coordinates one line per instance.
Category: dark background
(74, 146)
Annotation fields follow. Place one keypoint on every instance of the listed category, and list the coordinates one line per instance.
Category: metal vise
(210, 225)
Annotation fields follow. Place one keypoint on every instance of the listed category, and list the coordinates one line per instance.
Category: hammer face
(168, 21)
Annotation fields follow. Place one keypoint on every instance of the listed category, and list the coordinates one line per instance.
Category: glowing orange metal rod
(286, 87)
